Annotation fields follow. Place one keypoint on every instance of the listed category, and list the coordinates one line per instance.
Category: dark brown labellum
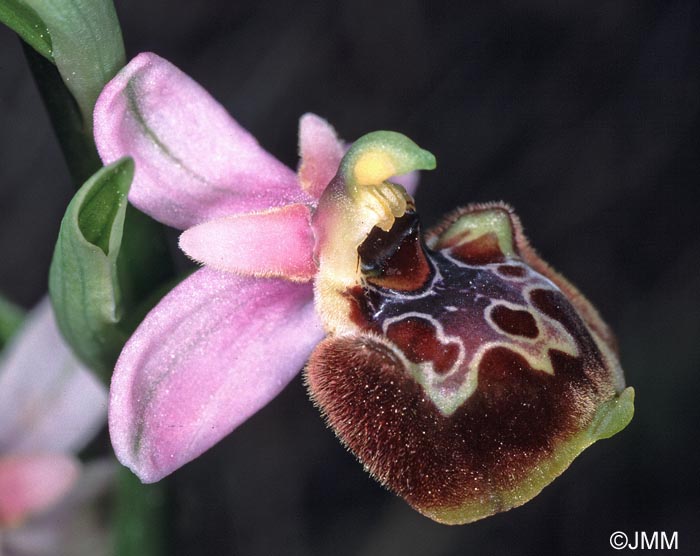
(471, 379)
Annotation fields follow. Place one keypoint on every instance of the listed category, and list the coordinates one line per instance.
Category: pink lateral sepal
(213, 352)
(194, 162)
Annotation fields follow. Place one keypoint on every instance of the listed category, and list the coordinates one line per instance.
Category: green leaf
(82, 50)
(85, 44)
(24, 21)
(98, 281)
(11, 318)
(83, 277)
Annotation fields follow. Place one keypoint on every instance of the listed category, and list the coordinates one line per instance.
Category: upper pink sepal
(278, 242)
(214, 351)
(193, 161)
(320, 152)
(48, 400)
(32, 484)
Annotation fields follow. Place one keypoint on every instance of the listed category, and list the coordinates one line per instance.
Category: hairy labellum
(460, 369)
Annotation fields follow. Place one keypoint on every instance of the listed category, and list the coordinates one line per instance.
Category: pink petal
(277, 242)
(320, 152)
(32, 484)
(214, 351)
(193, 161)
(49, 402)
(409, 181)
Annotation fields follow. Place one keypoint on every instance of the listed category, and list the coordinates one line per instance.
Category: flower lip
(481, 384)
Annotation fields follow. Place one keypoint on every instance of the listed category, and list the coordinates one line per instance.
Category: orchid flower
(458, 367)
(50, 407)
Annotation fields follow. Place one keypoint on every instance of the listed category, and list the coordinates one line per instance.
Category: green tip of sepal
(377, 156)
(613, 416)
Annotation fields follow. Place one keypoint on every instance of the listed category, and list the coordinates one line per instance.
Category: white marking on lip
(552, 335)
(396, 295)
(425, 374)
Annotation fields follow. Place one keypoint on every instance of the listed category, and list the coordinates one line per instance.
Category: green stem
(74, 137)
(141, 523)
(11, 318)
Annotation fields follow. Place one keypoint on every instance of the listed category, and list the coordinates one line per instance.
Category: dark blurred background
(582, 115)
